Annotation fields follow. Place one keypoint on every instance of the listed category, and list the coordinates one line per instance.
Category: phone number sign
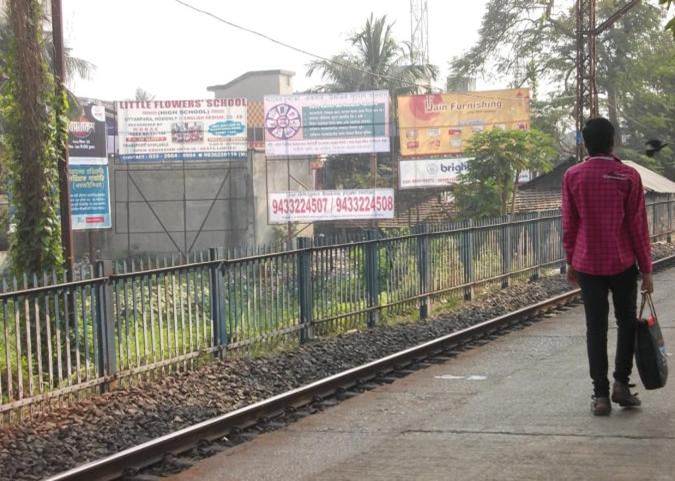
(318, 205)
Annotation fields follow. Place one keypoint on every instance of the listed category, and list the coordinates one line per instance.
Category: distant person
(605, 233)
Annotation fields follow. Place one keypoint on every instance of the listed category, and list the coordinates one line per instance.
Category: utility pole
(586, 105)
(64, 187)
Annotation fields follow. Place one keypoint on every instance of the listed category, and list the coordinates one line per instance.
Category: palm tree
(376, 61)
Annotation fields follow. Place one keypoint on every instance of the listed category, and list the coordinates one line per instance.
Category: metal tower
(587, 31)
(419, 32)
(586, 105)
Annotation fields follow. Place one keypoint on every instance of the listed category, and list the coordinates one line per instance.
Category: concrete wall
(157, 208)
(276, 180)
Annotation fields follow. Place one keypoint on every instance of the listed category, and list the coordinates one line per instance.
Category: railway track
(125, 464)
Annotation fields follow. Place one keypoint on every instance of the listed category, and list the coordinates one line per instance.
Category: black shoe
(623, 397)
(600, 406)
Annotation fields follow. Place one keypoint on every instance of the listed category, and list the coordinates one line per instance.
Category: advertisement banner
(90, 197)
(176, 130)
(313, 124)
(443, 123)
(316, 205)
(413, 174)
(87, 137)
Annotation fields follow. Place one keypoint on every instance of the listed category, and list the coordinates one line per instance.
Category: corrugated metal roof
(652, 181)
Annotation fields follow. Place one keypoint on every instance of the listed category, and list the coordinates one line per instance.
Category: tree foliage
(375, 61)
(497, 158)
(532, 42)
(35, 127)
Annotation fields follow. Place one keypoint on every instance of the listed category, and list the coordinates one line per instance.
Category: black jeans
(594, 291)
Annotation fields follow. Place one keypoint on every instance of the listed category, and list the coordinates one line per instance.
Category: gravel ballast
(108, 423)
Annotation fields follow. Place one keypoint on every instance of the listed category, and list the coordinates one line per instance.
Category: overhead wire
(324, 58)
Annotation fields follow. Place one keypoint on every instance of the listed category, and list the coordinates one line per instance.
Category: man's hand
(572, 276)
(647, 283)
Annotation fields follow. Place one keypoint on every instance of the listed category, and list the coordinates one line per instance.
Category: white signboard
(177, 130)
(414, 174)
(316, 205)
(314, 124)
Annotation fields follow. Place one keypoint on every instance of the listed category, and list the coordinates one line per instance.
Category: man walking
(605, 233)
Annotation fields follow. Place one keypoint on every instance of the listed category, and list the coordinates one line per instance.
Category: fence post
(506, 252)
(105, 320)
(372, 279)
(216, 291)
(466, 255)
(654, 218)
(305, 288)
(424, 267)
(670, 218)
(536, 247)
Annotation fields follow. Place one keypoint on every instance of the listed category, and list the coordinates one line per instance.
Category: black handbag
(650, 350)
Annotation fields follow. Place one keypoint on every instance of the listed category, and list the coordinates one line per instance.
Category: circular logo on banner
(283, 121)
(432, 169)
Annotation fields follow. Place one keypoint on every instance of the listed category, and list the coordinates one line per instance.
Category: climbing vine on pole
(35, 128)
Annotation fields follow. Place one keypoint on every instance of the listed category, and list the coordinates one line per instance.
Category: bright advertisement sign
(87, 137)
(314, 124)
(317, 205)
(89, 197)
(443, 123)
(176, 130)
(413, 174)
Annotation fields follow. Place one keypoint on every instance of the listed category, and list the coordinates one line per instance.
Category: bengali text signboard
(314, 124)
(420, 173)
(89, 197)
(177, 130)
(318, 205)
(87, 137)
(444, 123)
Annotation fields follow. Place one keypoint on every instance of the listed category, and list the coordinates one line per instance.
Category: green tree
(374, 61)
(648, 105)
(530, 41)
(497, 158)
(31, 139)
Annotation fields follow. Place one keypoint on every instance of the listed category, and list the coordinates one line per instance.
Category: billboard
(177, 130)
(443, 123)
(314, 124)
(87, 137)
(89, 197)
(419, 173)
(317, 205)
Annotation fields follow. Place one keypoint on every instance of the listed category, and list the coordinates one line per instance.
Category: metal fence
(111, 322)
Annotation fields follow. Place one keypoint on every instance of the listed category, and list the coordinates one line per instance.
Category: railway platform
(515, 409)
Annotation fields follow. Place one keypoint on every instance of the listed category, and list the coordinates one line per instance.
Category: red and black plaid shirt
(604, 217)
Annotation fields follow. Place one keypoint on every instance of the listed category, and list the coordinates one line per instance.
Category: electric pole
(586, 105)
(64, 187)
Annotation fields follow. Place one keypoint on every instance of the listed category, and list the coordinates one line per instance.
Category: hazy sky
(173, 52)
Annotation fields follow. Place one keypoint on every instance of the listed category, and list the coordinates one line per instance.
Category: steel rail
(151, 452)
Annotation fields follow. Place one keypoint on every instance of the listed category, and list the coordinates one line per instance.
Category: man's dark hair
(598, 136)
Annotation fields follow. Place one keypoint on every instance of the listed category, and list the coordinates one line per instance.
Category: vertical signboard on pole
(88, 174)
(315, 124)
(87, 137)
(90, 197)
